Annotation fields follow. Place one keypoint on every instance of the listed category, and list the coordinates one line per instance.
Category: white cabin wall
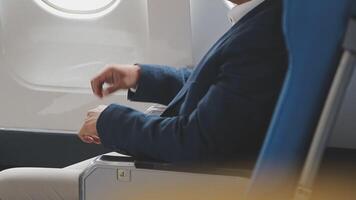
(36, 43)
(25, 108)
(209, 22)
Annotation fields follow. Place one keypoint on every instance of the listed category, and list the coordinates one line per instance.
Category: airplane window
(61, 51)
(80, 6)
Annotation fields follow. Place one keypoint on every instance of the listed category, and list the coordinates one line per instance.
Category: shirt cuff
(133, 90)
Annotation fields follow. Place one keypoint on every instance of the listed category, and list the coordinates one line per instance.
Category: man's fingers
(91, 139)
(96, 140)
(98, 82)
(110, 90)
(92, 86)
(85, 139)
(97, 85)
(109, 76)
(88, 139)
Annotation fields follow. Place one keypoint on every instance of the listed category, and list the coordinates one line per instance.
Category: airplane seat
(314, 33)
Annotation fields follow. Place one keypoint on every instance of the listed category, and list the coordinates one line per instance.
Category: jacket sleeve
(224, 121)
(159, 84)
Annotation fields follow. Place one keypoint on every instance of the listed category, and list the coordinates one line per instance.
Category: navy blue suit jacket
(218, 111)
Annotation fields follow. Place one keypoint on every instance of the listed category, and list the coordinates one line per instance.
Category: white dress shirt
(239, 11)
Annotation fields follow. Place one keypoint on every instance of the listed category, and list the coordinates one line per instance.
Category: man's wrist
(137, 75)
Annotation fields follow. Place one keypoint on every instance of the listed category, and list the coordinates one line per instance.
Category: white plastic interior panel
(105, 180)
(49, 55)
(206, 14)
(49, 52)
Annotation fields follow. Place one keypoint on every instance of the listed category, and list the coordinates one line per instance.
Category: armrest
(122, 177)
(231, 170)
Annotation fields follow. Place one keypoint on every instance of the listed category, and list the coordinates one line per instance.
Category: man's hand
(88, 132)
(117, 77)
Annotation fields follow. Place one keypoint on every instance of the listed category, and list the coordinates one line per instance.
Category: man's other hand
(88, 132)
(116, 77)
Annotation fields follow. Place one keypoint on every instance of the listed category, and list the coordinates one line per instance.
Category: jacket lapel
(181, 94)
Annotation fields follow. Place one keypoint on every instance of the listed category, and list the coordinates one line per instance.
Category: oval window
(80, 6)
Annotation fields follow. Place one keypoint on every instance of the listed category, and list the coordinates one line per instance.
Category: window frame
(86, 12)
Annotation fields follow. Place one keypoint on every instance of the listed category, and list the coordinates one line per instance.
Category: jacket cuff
(104, 126)
(145, 84)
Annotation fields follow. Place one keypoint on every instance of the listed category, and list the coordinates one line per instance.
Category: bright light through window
(80, 6)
